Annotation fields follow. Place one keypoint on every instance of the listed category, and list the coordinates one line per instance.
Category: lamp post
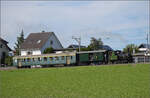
(78, 39)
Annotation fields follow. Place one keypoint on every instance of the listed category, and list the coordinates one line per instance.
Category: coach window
(24, 60)
(71, 57)
(18, 60)
(62, 58)
(45, 58)
(39, 59)
(56, 58)
(51, 58)
(33, 59)
(28, 59)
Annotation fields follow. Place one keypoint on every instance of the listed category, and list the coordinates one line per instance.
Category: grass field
(116, 81)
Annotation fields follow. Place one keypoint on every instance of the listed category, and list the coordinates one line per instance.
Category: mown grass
(117, 81)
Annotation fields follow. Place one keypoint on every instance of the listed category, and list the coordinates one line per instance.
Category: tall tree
(20, 40)
(131, 48)
(96, 43)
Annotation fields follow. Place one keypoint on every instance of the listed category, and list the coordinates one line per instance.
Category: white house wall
(33, 52)
(23, 53)
(36, 52)
(142, 49)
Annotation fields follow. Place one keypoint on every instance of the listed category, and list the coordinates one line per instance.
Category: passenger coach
(45, 60)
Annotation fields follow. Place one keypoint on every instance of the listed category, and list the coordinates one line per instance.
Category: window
(51, 42)
(51, 58)
(38, 41)
(29, 52)
(39, 59)
(18, 60)
(28, 59)
(1, 46)
(22, 60)
(56, 58)
(33, 59)
(62, 58)
(45, 58)
(71, 57)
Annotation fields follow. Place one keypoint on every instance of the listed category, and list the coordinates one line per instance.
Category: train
(98, 57)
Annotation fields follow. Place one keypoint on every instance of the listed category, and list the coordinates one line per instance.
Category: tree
(48, 50)
(9, 61)
(20, 40)
(130, 48)
(95, 44)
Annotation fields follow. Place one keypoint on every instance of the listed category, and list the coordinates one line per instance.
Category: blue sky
(123, 22)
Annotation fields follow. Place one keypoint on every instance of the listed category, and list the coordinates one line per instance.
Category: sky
(117, 23)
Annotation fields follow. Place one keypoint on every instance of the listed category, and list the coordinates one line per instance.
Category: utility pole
(0, 55)
(149, 37)
(147, 40)
(78, 39)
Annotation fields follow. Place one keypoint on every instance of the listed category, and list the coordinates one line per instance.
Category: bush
(48, 50)
(9, 61)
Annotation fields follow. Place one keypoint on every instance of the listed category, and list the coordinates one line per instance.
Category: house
(36, 43)
(75, 46)
(4, 50)
(143, 55)
(144, 47)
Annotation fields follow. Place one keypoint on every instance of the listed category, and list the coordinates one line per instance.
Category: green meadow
(110, 81)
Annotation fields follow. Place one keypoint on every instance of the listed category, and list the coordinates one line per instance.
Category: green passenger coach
(45, 60)
(91, 57)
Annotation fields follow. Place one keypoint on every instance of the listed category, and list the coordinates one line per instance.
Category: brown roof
(36, 40)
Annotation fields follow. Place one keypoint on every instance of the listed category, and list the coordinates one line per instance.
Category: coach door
(19, 63)
(68, 60)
